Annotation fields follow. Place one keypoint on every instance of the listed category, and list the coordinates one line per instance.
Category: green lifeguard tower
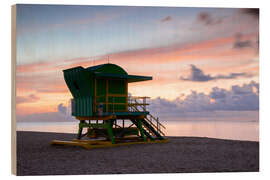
(105, 110)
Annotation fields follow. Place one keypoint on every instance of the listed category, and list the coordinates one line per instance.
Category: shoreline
(35, 156)
(165, 136)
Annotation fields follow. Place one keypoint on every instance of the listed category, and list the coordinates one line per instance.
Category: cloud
(197, 75)
(238, 98)
(62, 115)
(217, 93)
(168, 18)
(26, 99)
(255, 12)
(257, 44)
(35, 67)
(187, 51)
(45, 117)
(206, 19)
(242, 44)
(239, 43)
(232, 76)
(62, 109)
(41, 82)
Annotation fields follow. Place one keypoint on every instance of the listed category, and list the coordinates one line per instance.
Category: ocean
(235, 130)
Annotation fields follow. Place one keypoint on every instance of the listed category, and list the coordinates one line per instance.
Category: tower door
(117, 95)
(111, 94)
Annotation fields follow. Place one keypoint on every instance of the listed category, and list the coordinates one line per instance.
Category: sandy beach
(35, 156)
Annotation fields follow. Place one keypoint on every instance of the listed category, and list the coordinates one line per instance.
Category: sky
(204, 61)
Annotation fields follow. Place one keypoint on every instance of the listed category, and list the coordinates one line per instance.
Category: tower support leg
(110, 131)
(80, 130)
(139, 124)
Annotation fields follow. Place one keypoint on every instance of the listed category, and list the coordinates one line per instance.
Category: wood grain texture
(13, 91)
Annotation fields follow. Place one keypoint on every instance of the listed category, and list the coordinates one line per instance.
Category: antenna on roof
(108, 58)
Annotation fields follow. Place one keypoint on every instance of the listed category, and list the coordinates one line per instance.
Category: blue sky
(49, 32)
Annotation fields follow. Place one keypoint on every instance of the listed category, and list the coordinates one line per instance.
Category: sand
(35, 156)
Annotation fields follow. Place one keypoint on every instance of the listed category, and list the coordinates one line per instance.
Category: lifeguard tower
(105, 110)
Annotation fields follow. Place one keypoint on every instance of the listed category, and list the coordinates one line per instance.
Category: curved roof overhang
(130, 78)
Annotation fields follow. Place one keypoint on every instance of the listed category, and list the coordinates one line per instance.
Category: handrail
(112, 95)
(155, 126)
(131, 101)
(152, 117)
(132, 105)
(157, 120)
(138, 97)
(150, 121)
(129, 104)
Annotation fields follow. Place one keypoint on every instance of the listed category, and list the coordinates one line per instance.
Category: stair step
(156, 129)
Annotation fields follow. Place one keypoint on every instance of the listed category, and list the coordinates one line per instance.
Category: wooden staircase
(151, 125)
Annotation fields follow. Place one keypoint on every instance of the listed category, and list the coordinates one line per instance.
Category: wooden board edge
(13, 91)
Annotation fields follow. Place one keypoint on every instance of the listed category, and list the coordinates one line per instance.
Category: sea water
(236, 130)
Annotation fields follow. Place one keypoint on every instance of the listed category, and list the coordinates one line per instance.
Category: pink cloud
(196, 51)
(35, 67)
(165, 64)
(27, 99)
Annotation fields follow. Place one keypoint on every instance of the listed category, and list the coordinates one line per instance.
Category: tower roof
(114, 71)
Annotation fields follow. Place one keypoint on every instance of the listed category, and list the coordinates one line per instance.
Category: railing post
(157, 125)
(144, 104)
(113, 104)
(129, 109)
